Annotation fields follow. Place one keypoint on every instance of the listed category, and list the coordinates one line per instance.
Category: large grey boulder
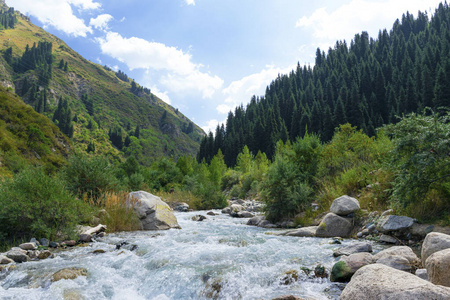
(302, 232)
(403, 251)
(395, 223)
(434, 242)
(377, 281)
(344, 269)
(333, 225)
(353, 248)
(344, 205)
(153, 213)
(438, 267)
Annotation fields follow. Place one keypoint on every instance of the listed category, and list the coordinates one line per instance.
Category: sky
(205, 57)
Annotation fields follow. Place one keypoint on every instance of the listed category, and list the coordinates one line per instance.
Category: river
(218, 258)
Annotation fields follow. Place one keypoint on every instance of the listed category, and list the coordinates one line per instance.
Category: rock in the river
(69, 273)
(85, 238)
(5, 260)
(244, 214)
(18, 255)
(333, 225)
(53, 245)
(343, 270)
(404, 251)
(422, 273)
(353, 248)
(396, 261)
(344, 205)
(287, 297)
(302, 232)
(235, 208)
(377, 281)
(438, 267)
(395, 223)
(198, 218)
(434, 242)
(388, 239)
(211, 213)
(28, 246)
(255, 220)
(182, 207)
(153, 213)
(226, 210)
(44, 254)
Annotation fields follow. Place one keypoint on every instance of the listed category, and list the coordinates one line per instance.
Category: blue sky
(207, 56)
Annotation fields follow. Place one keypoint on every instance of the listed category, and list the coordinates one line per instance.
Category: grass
(119, 215)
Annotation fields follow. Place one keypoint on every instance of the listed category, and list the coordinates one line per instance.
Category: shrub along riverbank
(405, 167)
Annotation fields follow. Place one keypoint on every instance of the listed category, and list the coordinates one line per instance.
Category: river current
(218, 258)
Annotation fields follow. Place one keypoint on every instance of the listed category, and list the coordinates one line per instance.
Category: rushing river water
(219, 258)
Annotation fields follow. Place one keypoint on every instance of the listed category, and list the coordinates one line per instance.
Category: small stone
(372, 227)
(320, 272)
(35, 241)
(290, 277)
(69, 273)
(99, 251)
(422, 273)
(198, 218)
(53, 245)
(5, 260)
(359, 235)
(100, 234)
(69, 243)
(85, 238)
(44, 254)
(388, 239)
(33, 254)
(365, 232)
(28, 246)
(210, 213)
(353, 248)
(44, 242)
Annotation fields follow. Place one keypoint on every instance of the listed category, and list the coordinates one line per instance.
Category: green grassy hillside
(28, 137)
(109, 103)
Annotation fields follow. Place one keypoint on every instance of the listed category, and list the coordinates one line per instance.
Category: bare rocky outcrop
(403, 251)
(377, 281)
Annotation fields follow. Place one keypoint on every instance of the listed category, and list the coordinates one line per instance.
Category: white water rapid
(218, 258)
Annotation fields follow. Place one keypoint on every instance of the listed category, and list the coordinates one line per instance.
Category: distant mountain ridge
(105, 114)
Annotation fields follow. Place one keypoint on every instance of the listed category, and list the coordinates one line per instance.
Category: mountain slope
(28, 137)
(97, 99)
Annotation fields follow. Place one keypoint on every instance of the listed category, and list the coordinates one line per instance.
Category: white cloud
(365, 15)
(180, 74)
(57, 13)
(101, 21)
(161, 95)
(241, 91)
(211, 125)
(190, 2)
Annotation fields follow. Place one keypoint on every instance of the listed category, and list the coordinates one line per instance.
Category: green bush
(35, 204)
(91, 176)
(420, 161)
